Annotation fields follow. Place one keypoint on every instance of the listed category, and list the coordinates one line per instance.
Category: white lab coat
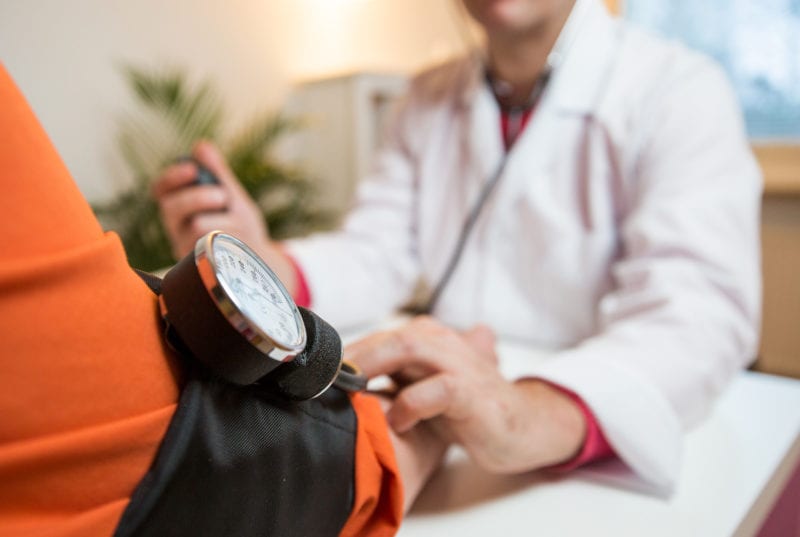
(624, 232)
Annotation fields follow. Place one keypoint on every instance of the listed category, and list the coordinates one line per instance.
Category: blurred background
(305, 86)
(66, 57)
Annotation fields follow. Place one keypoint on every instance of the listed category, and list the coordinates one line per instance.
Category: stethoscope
(516, 115)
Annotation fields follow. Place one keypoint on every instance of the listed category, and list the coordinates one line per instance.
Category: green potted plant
(172, 115)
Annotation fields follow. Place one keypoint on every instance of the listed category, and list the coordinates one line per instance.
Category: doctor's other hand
(190, 211)
(452, 379)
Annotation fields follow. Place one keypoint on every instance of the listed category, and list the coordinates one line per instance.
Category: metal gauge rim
(231, 308)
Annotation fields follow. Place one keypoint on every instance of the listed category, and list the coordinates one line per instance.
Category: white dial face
(257, 292)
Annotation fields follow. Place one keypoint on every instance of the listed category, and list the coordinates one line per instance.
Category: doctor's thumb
(482, 339)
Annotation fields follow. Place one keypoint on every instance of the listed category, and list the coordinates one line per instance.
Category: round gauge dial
(257, 292)
(250, 287)
(223, 306)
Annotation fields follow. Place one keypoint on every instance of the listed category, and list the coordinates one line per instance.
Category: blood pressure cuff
(241, 460)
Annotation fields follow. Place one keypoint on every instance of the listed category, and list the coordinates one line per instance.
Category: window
(756, 41)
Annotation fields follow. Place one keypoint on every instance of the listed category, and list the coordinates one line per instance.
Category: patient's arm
(87, 387)
(419, 453)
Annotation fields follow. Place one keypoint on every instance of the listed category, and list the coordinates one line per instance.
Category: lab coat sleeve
(372, 260)
(684, 309)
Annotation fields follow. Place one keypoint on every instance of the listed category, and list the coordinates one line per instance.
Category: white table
(735, 465)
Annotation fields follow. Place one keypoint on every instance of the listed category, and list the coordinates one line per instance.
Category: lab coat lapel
(483, 144)
(586, 48)
(591, 38)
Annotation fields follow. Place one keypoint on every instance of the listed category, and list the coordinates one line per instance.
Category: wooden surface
(780, 235)
(781, 166)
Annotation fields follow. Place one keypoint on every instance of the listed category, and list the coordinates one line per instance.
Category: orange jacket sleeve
(378, 505)
(87, 388)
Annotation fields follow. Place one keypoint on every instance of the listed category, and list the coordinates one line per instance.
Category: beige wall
(63, 56)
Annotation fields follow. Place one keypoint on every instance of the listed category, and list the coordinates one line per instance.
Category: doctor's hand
(452, 380)
(190, 211)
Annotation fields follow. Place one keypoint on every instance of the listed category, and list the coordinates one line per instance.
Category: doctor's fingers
(209, 155)
(386, 353)
(372, 352)
(172, 178)
(180, 208)
(246, 214)
(438, 395)
(483, 339)
(182, 204)
(451, 349)
(413, 348)
(203, 223)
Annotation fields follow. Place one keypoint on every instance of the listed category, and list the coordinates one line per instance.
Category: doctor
(618, 228)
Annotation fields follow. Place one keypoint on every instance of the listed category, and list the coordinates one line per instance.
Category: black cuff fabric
(239, 460)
